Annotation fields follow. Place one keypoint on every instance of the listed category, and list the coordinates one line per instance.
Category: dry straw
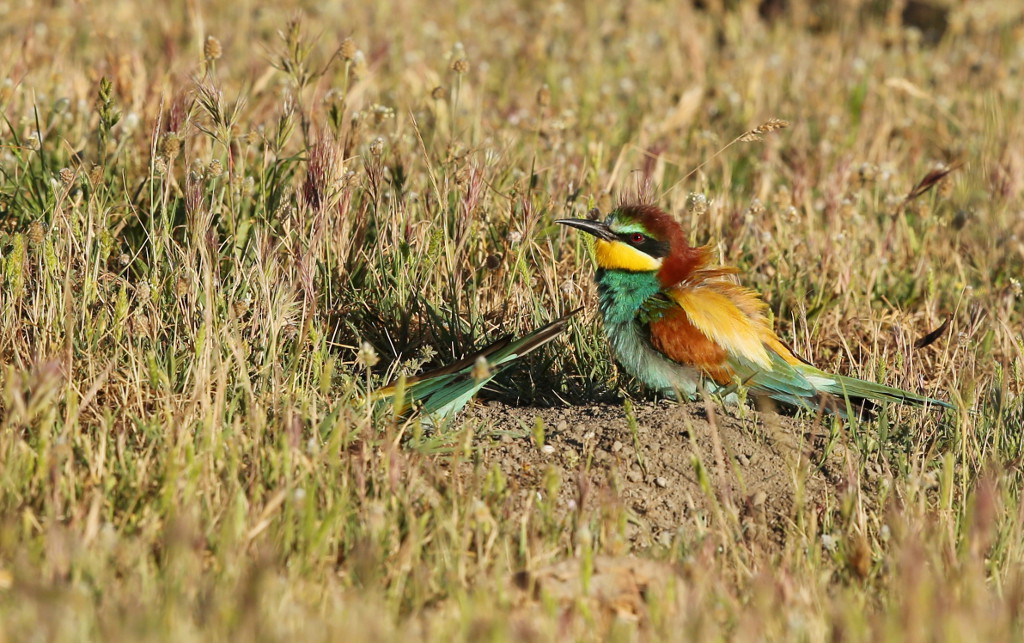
(749, 136)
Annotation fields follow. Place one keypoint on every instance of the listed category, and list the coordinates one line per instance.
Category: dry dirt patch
(670, 467)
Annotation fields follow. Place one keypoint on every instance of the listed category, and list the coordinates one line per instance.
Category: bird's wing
(444, 391)
(721, 328)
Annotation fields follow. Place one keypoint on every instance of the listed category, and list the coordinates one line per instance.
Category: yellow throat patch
(616, 255)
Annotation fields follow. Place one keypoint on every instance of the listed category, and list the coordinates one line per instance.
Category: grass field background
(206, 210)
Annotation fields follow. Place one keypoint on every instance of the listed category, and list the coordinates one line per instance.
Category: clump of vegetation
(219, 227)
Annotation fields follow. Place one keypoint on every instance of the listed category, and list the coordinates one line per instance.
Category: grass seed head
(14, 266)
(212, 49)
(460, 66)
(481, 369)
(1015, 287)
(36, 233)
(377, 147)
(348, 49)
(697, 203)
(170, 145)
(544, 96)
(321, 173)
(867, 173)
(366, 356)
(143, 292)
(767, 127)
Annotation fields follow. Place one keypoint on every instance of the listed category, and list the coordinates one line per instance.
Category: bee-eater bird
(441, 393)
(680, 324)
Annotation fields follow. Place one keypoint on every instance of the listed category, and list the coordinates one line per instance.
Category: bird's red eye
(637, 238)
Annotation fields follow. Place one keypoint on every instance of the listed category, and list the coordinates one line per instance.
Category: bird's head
(642, 238)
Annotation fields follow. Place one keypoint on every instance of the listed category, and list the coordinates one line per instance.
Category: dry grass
(197, 234)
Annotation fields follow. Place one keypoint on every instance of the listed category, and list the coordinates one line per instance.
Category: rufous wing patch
(674, 335)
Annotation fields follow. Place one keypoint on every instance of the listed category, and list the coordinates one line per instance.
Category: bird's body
(679, 324)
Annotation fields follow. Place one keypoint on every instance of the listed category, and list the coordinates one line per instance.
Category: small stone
(758, 499)
(744, 460)
(562, 426)
(661, 482)
(634, 476)
(547, 449)
(616, 446)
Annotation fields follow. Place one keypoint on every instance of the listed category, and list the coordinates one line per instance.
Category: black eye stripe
(652, 247)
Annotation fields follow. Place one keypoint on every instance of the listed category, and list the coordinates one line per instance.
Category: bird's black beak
(597, 228)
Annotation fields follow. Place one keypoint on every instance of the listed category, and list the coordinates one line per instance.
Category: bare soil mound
(670, 466)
